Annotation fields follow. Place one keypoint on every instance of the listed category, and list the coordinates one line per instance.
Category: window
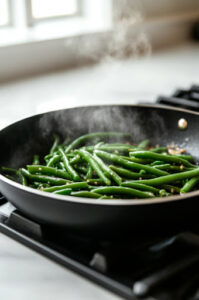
(37, 35)
(44, 35)
(4, 13)
(38, 10)
(39, 20)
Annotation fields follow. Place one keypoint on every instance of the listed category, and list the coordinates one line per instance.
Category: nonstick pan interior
(20, 141)
(34, 135)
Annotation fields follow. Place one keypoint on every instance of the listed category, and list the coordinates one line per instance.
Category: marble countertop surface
(25, 274)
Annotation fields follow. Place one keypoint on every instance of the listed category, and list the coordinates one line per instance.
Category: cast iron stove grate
(158, 267)
(155, 267)
(182, 98)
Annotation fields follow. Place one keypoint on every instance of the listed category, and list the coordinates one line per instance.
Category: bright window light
(4, 13)
(44, 20)
(53, 8)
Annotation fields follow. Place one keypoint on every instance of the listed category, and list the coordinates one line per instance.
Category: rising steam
(126, 39)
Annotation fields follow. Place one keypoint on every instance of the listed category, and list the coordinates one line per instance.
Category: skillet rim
(114, 202)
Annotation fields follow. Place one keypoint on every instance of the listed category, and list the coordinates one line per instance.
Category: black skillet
(19, 141)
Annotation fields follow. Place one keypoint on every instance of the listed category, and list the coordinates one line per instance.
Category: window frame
(31, 21)
(10, 15)
(24, 53)
(88, 22)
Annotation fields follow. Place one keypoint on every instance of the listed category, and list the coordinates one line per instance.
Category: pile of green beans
(105, 165)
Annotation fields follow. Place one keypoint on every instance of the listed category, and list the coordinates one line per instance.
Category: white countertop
(112, 82)
(25, 274)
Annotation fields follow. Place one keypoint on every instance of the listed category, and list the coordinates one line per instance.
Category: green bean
(89, 173)
(102, 146)
(157, 162)
(106, 197)
(140, 186)
(109, 171)
(8, 170)
(122, 191)
(75, 159)
(159, 149)
(55, 144)
(98, 145)
(179, 168)
(131, 165)
(127, 173)
(117, 146)
(118, 149)
(36, 160)
(111, 148)
(142, 172)
(60, 165)
(84, 138)
(186, 157)
(163, 193)
(126, 144)
(135, 159)
(23, 178)
(43, 178)
(40, 185)
(171, 188)
(88, 157)
(162, 167)
(163, 157)
(68, 166)
(63, 192)
(86, 194)
(170, 178)
(95, 181)
(48, 156)
(33, 169)
(73, 186)
(144, 144)
(189, 185)
(53, 160)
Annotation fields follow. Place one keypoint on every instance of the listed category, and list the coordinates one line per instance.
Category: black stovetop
(163, 267)
(148, 267)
